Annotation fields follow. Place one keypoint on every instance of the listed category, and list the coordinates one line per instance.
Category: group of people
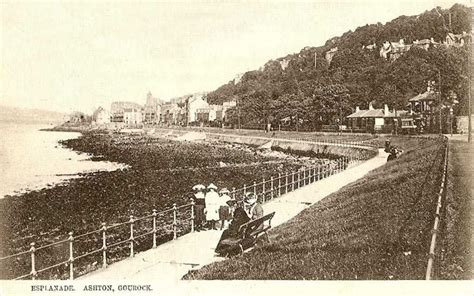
(212, 207)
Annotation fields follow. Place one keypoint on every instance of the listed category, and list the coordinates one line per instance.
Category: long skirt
(199, 215)
(224, 213)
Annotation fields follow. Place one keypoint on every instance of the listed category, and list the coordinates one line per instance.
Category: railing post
(245, 189)
(314, 174)
(263, 190)
(33, 269)
(192, 215)
(71, 256)
(175, 222)
(319, 173)
(292, 181)
(104, 246)
(154, 227)
(233, 193)
(255, 188)
(299, 178)
(286, 182)
(271, 187)
(131, 235)
(279, 184)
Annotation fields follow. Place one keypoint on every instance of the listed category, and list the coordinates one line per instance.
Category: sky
(66, 56)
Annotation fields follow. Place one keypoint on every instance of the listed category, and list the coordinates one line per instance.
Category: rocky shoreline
(160, 173)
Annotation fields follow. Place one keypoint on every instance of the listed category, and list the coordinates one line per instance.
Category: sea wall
(353, 151)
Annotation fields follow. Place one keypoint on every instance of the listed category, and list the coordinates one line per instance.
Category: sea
(31, 159)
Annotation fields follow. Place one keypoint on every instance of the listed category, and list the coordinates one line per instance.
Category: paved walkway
(172, 260)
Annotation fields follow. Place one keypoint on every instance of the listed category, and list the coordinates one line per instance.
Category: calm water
(31, 159)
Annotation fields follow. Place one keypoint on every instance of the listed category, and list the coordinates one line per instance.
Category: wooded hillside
(317, 92)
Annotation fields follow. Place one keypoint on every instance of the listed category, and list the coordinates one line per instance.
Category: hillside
(22, 115)
(319, 92)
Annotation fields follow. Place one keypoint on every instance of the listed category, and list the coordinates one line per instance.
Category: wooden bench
(247, 235)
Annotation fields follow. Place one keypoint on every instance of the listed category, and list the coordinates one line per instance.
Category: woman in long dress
(224, 209)
(199, 204)
(224, 246)
(212, 206)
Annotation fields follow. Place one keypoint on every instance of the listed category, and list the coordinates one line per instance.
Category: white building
(132, 116)
(117, 110)
(101, 116)
(195, 103)
(215, 112)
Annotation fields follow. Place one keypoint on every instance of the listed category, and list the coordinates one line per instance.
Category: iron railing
(124, 237)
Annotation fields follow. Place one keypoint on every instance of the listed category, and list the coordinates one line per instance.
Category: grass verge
(376, 228)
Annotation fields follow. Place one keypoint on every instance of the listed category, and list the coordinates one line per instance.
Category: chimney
(385, 109)
(370, 106)
(357, 109)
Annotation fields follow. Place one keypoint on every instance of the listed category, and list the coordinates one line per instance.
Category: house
(216, 112)
(152, 110)
(456, 40)
(195, 103)
(171, 113)
(423, 108)
(202, 114)
(370, 47)
(133, 117)
(374, 120)
(117, 110)
(100, 116)
(425, 43)
(393, 50)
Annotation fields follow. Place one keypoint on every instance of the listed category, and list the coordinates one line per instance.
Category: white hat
(250, 199)
(199, 187)
(212, 186)
(224, 190)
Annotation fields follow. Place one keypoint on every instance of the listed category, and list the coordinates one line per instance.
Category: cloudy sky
(66, 56)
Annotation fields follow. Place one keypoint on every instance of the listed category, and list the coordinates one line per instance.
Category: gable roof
(367, 113)
(426, 96)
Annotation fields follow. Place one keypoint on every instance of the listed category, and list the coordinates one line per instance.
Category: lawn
(375, 228)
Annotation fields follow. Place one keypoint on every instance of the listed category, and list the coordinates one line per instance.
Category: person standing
(212, 206)
(224, 209)
(199, 206)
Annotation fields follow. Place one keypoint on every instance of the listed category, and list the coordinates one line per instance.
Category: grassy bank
(376, 228)
(160, 173)
(454, 250)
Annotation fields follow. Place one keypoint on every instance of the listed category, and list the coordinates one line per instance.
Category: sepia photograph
(236, 147)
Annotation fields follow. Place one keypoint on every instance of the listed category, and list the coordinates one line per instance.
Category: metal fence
(112, 242)
(436, 225)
